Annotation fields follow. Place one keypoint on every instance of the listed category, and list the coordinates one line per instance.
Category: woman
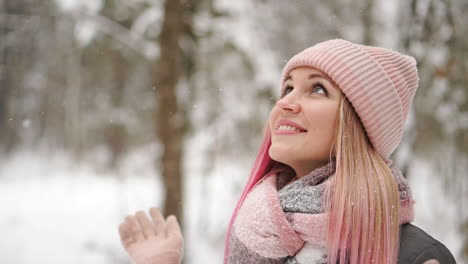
(321, 190)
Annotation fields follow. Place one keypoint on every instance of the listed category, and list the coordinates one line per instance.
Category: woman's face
(302, 123)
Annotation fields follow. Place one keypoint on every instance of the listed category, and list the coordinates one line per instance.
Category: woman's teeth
(289, 128)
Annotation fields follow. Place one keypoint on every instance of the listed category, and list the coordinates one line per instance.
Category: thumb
(173, 227)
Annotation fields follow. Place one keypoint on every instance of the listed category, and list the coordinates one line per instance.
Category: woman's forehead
(312, 72)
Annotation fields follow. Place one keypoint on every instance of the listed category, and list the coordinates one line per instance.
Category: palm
(159, 241)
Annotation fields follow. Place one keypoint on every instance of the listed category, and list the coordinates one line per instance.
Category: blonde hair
(362, 200)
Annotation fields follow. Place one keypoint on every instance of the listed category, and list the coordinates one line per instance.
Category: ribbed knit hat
(379, 83)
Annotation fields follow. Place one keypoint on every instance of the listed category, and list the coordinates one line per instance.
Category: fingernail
(172, 216)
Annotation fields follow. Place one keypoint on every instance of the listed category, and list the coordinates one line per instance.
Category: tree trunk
(10, 70)
(368, 22)
(169, 121)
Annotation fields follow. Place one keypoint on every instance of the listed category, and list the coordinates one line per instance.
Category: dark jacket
(416, 247)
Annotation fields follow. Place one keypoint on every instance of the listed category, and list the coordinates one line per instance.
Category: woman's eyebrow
(313, 75)
(317, 75)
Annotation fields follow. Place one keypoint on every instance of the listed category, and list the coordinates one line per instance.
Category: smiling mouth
(290, 128)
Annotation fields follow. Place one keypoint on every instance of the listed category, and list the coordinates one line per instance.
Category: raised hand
(155, 241)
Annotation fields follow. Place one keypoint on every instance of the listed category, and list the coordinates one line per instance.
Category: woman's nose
(288, 105)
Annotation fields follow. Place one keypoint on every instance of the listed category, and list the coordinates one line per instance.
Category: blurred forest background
(113, 106)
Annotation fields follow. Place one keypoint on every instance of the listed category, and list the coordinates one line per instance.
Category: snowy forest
(112, 106)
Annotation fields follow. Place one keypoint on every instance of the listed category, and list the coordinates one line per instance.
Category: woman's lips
(284, 132)
(288, 127)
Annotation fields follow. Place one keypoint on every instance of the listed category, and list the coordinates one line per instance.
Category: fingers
(139, 227)
(125, 235)
(173, 227)
(145, 224)
(431, 261)
(134, 228)
(159, 223)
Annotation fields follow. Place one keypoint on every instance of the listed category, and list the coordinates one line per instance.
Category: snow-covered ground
(54, 210)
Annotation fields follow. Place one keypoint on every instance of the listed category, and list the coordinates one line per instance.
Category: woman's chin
(279, 155)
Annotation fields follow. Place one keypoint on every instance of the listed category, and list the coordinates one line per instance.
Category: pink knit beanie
(379, 83)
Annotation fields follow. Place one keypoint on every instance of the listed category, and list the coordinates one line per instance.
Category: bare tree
(15, 48)
(170, 119)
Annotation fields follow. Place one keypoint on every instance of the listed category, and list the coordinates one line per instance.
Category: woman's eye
(286, 90)
(319, 89)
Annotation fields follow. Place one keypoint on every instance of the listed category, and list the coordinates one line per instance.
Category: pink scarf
(279, 223)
